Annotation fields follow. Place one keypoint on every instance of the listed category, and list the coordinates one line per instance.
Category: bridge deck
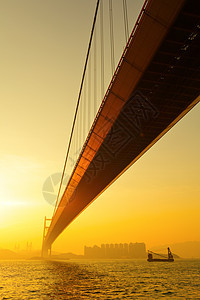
(155, 84)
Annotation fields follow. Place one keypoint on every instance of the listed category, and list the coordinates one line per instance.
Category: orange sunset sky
(42, 53)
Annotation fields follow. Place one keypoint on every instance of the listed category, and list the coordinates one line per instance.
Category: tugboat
(169, 259)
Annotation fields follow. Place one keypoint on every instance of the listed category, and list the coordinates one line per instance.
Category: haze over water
(99, 279)
(157, 201)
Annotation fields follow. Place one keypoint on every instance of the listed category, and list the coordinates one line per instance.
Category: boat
(169, 259)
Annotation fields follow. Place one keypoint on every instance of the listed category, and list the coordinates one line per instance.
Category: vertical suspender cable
(111, 37)
(89, 92)
(83, 114)
(75, 139)
(78, 102)
(84, 107)
(125, 20)
(78, 133)
(102, 49)
(73, 147)
(95, 73)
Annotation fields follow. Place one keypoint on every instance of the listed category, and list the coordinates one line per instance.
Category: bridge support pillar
(46, 250)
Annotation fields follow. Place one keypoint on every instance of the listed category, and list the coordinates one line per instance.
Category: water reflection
(116, 279)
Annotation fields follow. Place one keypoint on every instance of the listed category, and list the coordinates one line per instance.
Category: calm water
(108, 279)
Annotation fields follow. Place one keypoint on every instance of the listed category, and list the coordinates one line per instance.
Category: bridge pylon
(46, 250)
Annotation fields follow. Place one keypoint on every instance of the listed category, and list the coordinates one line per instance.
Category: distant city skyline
(131, 250)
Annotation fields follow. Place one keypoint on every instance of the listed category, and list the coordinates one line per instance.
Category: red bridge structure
(156, 82)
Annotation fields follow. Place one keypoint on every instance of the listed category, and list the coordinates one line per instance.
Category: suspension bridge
(154, 84)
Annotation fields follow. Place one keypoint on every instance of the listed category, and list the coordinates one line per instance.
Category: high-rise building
(132, 250)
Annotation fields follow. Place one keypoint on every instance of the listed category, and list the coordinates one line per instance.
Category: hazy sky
(42, 53)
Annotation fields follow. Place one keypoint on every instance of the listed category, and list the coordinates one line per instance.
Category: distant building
(103, 250)
(93, 252)
(137, 250)
(125, 250)
(132, 250)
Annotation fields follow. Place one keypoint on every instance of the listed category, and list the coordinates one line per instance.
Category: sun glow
(10, 203)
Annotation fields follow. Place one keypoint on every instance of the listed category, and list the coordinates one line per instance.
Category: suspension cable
(111, 37)
(78, 102)
(125, 20)
(83, 114)
(102, 49)
(84, 108)
(95, 73)
(78, 132)
(89, 93)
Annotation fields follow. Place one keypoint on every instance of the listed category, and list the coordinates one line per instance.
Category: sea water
(99, 279)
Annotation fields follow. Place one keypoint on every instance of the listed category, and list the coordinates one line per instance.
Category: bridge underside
(156, 84)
